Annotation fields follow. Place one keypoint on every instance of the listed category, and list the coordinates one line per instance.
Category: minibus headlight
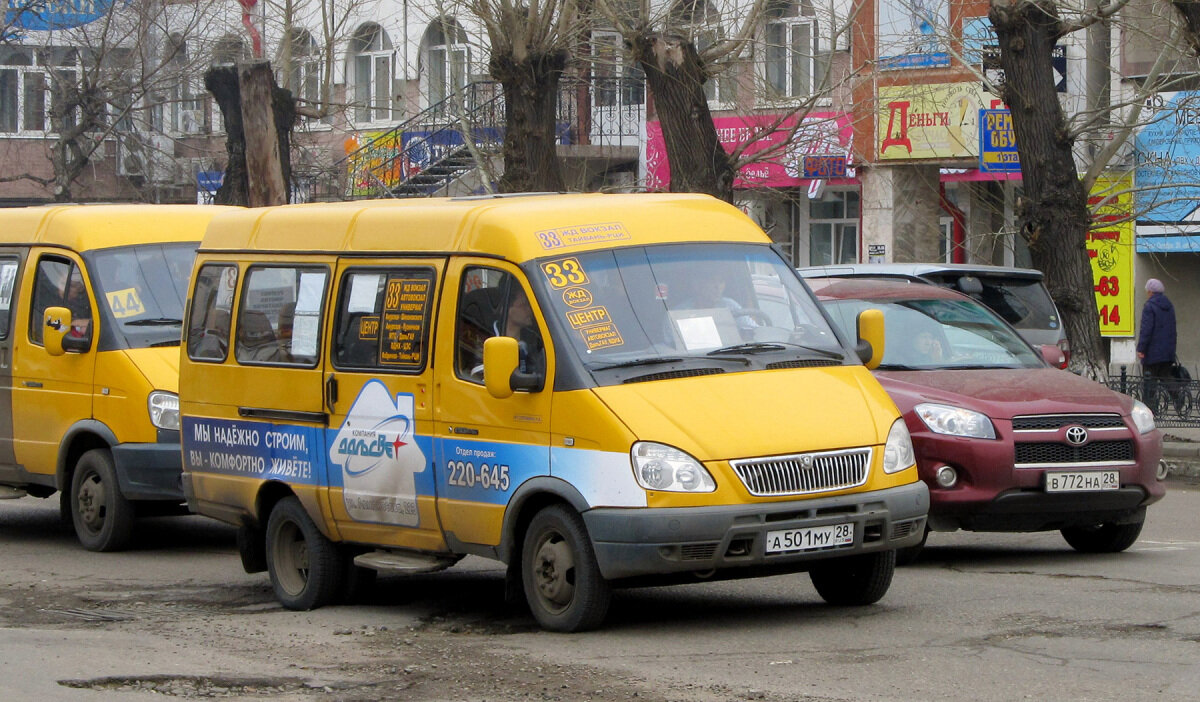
(898, 451)
(955, 421)
(164, 410)
(662, 467)
(1142, 417)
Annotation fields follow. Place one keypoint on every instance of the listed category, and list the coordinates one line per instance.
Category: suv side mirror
(870, 338)
(1053, 355)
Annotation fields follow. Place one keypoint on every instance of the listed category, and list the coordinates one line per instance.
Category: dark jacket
(1156, 333)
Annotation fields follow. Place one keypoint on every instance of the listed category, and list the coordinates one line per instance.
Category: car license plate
(810, 539)
(1082, 481)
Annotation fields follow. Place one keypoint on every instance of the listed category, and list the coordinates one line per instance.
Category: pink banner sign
(819, 134)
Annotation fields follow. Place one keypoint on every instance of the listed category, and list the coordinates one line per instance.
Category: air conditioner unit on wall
(131, 157)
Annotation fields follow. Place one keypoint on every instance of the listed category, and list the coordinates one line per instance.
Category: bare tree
(1054, 213)
(690, 53)
(103, 80)
(530, 44)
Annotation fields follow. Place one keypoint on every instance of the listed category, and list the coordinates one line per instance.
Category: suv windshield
(141, 291)
(676, 303)
(937, 334)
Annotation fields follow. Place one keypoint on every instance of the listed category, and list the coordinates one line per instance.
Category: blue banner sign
(997, 143)
(44, 15)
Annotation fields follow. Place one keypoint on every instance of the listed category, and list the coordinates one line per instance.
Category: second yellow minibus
(598, 390)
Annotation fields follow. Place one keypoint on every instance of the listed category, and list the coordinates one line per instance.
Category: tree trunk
(1053, 212)
(222, 82)
(264, 173)
(1190, 11)
(530, 97)
(676, 76)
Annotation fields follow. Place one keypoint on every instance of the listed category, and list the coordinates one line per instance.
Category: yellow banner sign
(1110, 249)
(930, 121)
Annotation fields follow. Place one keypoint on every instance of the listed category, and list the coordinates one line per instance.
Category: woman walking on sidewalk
(1156, 341)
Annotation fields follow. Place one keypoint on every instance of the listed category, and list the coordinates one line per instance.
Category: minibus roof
(87, 227)
(514, 227)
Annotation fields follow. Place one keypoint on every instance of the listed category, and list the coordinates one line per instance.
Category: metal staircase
(430, 152)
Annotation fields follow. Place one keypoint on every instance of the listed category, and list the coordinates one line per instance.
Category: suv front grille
(1052, 422)
(804, 473)
(1053, 453)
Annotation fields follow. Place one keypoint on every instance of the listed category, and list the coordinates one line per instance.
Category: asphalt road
(979, 617)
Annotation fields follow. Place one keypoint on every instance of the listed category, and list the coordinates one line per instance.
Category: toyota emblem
(1077, 435)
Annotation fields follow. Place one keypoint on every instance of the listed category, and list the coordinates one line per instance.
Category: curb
(1182, 458)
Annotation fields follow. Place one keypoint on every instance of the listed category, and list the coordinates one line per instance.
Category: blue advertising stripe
(487, 471)
(260, 450)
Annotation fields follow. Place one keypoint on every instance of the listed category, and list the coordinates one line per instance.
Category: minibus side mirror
(56, 332)
(870, 338)
(56, 322)
(501, 359)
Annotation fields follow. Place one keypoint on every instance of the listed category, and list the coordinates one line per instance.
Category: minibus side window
(8, 279)
(493, 303)
(212, 308)
(59, 283)
(383, 319)
(279, 321)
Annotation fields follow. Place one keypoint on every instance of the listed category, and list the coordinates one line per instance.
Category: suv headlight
(955, 421)
(898, 451)
(164, 410)
(661, 467)
(1142, 417)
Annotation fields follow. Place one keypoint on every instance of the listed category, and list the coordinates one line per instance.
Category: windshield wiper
(154, 322)
(648, 361)
(900, 367)
(655, 360)
(761, 346)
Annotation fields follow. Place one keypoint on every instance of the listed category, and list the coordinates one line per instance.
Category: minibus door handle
(331, 391)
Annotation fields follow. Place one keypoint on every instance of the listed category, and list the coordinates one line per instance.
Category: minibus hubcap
(553, 567)
(91, 501)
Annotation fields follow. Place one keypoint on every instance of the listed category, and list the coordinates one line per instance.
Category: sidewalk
(1181, 451)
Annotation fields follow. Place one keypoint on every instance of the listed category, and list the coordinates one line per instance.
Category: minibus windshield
(681, 303)
(141, 292)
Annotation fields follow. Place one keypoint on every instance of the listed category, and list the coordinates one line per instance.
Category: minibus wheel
(102, 517)
(855, 580)
(305, 567)
(561, 578)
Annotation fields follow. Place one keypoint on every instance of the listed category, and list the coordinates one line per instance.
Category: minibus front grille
(674, 374)
(804, 473)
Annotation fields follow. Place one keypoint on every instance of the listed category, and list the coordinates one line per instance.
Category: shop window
(833, 228)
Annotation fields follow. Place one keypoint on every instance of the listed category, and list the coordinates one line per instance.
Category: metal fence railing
(1175, 403)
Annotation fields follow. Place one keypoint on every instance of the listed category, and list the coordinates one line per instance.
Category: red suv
(1004, 441)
